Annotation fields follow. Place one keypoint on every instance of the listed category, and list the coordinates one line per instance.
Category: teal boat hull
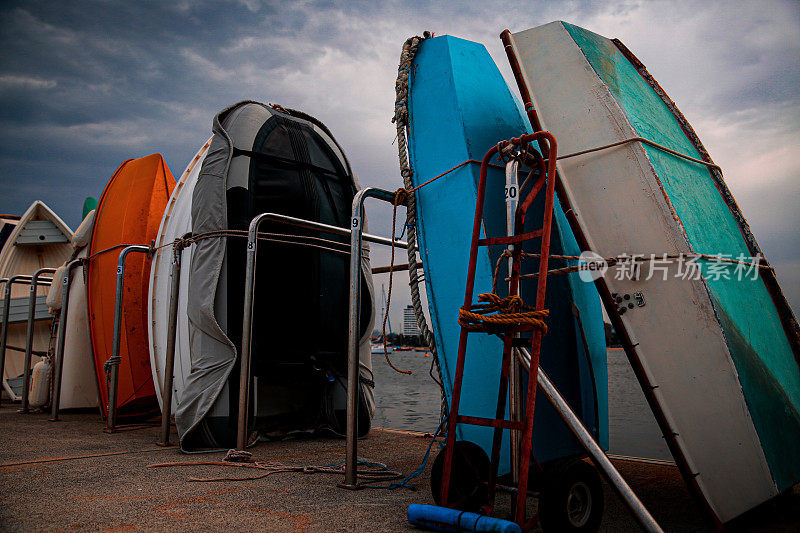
(717, 354)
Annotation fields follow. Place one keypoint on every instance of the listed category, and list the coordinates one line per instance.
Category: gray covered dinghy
(269, 159)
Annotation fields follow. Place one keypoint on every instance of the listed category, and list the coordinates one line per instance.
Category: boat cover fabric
(226, 194)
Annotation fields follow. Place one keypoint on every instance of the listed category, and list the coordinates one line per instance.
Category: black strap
(291, 163)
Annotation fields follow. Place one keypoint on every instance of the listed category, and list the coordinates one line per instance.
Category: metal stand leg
(113, 362)
(4, 333)
(172, 330)
(26, 380)
(353, 389)
(60, 338)
(599, 457)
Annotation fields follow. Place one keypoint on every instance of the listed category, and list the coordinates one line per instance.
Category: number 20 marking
(511, 193)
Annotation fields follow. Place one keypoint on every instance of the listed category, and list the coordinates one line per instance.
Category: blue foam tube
(437, 518)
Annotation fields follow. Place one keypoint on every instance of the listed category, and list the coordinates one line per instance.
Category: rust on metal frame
(498, 423)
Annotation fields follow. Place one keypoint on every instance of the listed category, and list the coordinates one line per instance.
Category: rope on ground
(405, 483)
(238, 456)
(501, 313)
(371, 472)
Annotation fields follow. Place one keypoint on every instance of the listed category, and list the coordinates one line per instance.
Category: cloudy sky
(85, 85)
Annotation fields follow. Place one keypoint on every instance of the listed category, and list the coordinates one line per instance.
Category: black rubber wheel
(572, 498)
(469, 489)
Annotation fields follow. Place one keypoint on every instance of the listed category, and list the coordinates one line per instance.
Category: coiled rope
(501, 313)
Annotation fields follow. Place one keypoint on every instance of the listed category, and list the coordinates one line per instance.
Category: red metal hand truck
(506, 331)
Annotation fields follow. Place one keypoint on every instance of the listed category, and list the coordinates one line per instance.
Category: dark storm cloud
(85, 85)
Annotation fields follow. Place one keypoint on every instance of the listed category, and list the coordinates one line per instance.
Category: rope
(400, 197)
(421, 468)
(238, 456)
(645, 141)
(374, 472)
(510, 313)
(400, 119)
(611, 261)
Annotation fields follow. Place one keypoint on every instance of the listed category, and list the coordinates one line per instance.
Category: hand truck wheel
(572, 498)
(469, 477)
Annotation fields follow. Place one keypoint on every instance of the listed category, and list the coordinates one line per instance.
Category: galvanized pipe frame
(115, 359)
(60, 338)
(356, 240)
(19, 278)
(600, 459)
(172, 330)
(249, 291)
(29, 341)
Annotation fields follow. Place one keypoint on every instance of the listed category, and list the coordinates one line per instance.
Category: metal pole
(4, 335)
(26, 380)
(514, 389)
(172, 329)
(114, 360)
(249, 288)
(60, 338)
(356, 225)
(599, 457)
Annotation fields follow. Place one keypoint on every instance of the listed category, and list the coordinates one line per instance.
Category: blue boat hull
(460, 106)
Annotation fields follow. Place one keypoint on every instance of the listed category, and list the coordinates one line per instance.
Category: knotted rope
(509, 313)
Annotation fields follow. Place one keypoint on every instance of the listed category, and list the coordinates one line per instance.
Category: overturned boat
(262, 158)
(129, 213)
(40, 239)
(459, 107)
(715, 349)
(79, 386)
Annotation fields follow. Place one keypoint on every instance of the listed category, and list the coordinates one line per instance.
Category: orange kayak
(129, 212)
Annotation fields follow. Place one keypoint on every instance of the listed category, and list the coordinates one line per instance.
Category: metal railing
(60, 338)
(113, 362)
(9, 282)
(249, 291)
(172, 331)
(356, 241)
(26, 380)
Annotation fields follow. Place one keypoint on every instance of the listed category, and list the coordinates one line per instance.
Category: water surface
(412, 402)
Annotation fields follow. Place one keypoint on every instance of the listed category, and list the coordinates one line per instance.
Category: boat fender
(40, 383)
(83, 234)
(435, 518)
(53, 300)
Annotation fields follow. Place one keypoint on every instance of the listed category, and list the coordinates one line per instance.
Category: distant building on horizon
(410, 328)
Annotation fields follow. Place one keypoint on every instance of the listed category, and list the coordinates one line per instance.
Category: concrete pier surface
(70, 476)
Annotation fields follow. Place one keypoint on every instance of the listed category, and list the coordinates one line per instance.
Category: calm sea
(413, 402)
